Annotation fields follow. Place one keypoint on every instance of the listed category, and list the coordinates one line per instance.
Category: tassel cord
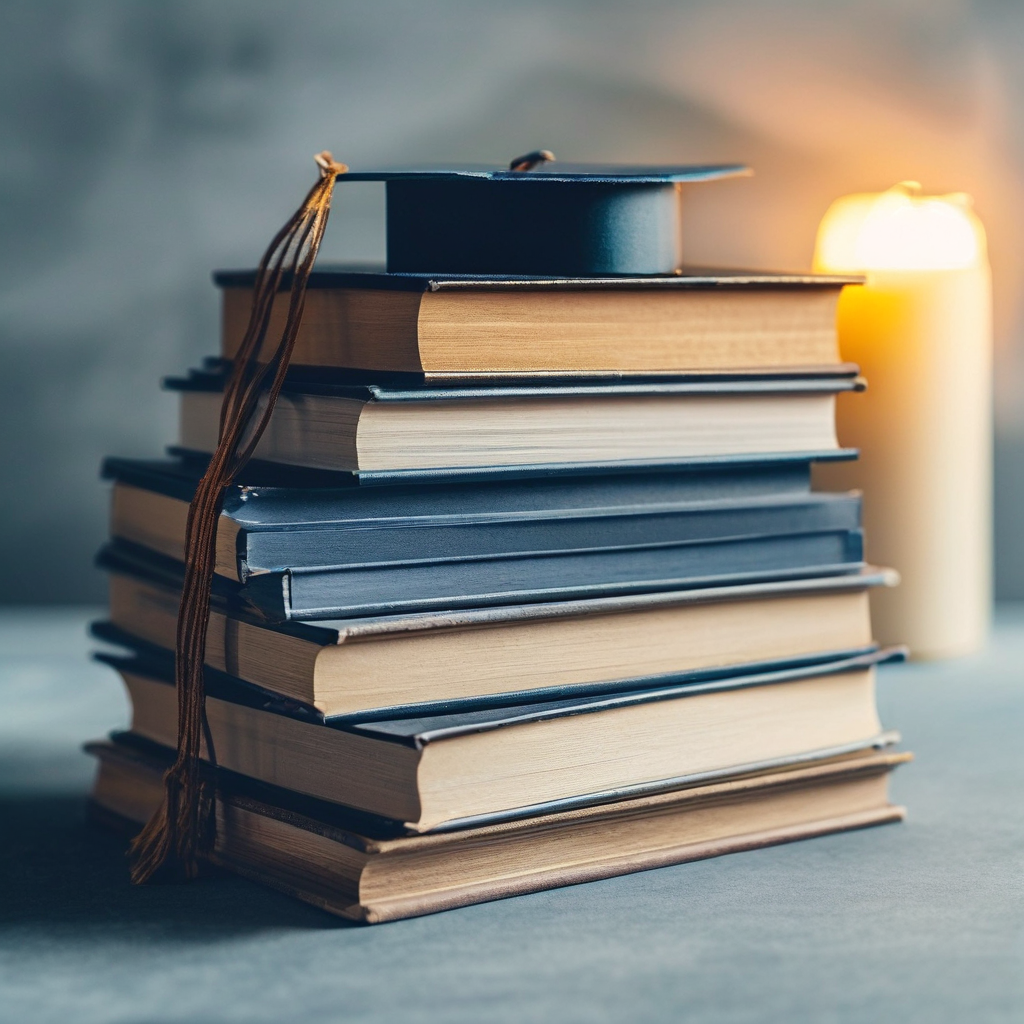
(182, 827)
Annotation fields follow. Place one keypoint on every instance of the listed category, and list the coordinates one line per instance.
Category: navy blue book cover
(374, 276)
(280, 528)
(212, 377)
(323, 592)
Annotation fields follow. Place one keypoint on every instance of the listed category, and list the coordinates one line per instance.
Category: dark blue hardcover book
(324, 592)
(373, 276)
(285, 528)
(212, 375)
(176, 478)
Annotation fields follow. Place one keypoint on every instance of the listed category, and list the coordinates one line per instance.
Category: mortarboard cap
(537, 218)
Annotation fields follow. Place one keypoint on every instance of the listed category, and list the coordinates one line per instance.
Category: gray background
(144, 144)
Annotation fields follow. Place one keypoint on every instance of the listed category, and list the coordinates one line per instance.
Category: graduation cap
(537, 217)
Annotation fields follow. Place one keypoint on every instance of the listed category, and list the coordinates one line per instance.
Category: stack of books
(526, 585)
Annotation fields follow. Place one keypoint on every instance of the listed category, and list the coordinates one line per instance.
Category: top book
(443, 327)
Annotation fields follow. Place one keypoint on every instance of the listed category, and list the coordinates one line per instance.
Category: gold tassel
(170, 843)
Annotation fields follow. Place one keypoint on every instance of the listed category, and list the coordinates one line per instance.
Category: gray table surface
(922, 921)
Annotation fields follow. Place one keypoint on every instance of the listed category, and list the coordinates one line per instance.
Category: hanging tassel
(182, 828)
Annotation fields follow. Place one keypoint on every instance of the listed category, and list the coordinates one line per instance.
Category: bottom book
(369, 869)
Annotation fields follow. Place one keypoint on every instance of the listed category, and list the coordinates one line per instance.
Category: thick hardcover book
(450, 327)
(443, 661)
(436, 662)
(448, 771)
(367, 870)
(374, 586)
(446, 432)
(276, 529)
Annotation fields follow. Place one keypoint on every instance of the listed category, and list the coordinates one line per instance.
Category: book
(444, 327)
(433, 662)
(387, 430)
(451, 770)
(367, 870)
(274, 528)
(385, 588)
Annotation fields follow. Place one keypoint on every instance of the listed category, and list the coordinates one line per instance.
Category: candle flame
(900, 230)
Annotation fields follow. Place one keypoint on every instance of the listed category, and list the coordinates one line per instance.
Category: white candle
(921, 331)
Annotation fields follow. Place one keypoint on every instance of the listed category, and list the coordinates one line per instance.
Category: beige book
(734, 323)
(344, 667)
(368, 875)
(437, 770)
(345, 432)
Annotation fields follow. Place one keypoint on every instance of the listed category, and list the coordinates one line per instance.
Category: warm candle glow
(900, 230)
(920, 330)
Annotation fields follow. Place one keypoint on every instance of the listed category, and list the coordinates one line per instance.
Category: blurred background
(145, 144)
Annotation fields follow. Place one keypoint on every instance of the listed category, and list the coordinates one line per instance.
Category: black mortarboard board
(552, 220)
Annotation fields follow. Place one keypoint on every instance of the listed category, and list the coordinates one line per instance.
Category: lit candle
(920, 329)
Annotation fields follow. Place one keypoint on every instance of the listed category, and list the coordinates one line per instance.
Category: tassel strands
(170, 843)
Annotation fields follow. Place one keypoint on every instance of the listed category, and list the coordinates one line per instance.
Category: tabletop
(921, 921)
